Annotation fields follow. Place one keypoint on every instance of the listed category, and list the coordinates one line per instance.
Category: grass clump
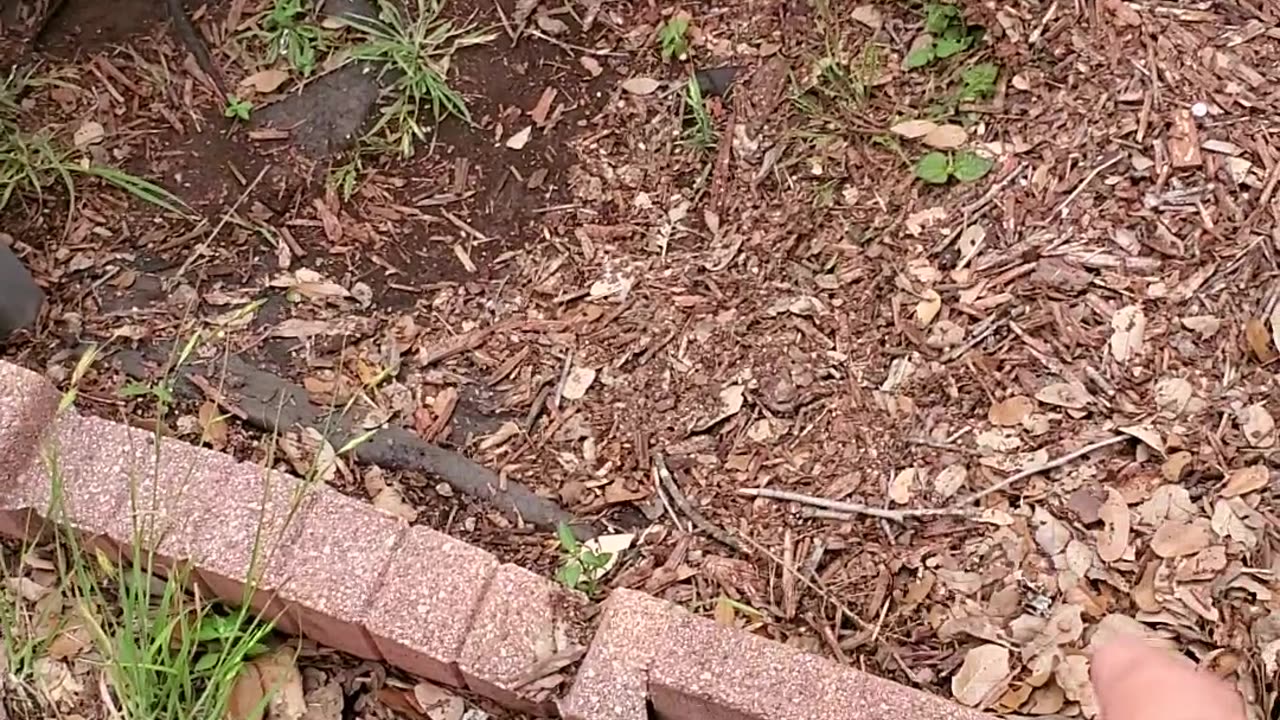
(415, 51)
(32, 162)
(699, 133)
(288, 31)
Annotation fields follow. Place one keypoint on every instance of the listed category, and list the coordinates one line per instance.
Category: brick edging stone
(358, 580)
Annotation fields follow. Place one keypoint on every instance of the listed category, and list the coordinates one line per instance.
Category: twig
(982, 333)
(200, 250)
(958, 508)
(977, 208)
(679, 500)
(1061, 210)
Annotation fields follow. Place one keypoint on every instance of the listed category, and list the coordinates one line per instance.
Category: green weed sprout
(581, 567)
(672, 38)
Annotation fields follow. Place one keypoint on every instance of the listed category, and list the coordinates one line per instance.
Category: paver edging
(427, 603)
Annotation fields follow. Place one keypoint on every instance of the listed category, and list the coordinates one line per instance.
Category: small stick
(679, 500)
(1061, 210)
(958, 508)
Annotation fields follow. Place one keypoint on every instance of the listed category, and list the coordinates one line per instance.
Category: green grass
(32, 162)
(416, 52)
(672, 38)
(287, 31)
(698, 130)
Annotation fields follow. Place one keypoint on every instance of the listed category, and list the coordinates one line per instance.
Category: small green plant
(415, 51)
(979, 81)
(581, 568)
(672, 37)
(288, 32)
(698, 130)
(238, 108)
(949, 35)
(966, 166)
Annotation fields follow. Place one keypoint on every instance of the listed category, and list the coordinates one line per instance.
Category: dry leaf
(280, 679)
(591, 65)
(1128, 329)
(1172, 395)
(1245, 480)
(1072, 675)
(868, 15)
(1011, 411)
(916, 223)
(1257, 424)
(390, 501)
(1068, 395)
(984, 670)
(1147, 435)
(928, 307)
(520, 139)
(1275, 325)
(731, 399)
(56, 682)
(1175, 465)
(946, 137)
(310, 454)
(1206, 326)
(1255, 332)
(913, 129)
(1045, 700)
(640, 85)
(438, 703)
(265, 81)
(950, 480)
(213, 425)
(1178, 538)
(89, 132)
(577, 383)
(1113, 539)
(901, 485)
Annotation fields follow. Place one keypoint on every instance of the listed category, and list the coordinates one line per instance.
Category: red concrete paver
(710, 672)
(520, 624)
(334, 569)
(431, 592)
(27, 407)
(613, 681)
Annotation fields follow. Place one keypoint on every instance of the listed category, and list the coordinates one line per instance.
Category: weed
(979, 81)
(345, 178)
(32, 161)
(581, 568)
(415, 52)
(672, 37)
(966, 166)
(698, 131)
(949, 35)
(289, 34)
(238, 108)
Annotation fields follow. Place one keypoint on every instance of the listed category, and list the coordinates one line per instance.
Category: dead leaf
(1206, 326)
(1243, 481)
(1259, 339)
(1128, 331)
(1070, 395)
(1172, 468)
(1257, 424)
(928, 307)
(640, 85)
(1113, 539)
(1147, 435)
(1011, 411)
(577, 383)
(310, 454)
(300, 329)
(438, 703)
(390, 501)
(901, 485)
(1072, 675)
(1178, 538)
(213, 425)
(1172, 395)
(591, 65)
(984, 670)
(246, 698)
(89, 133)
(918, 221)
(56, 682)
(731, 399)
(520, 139)
(913, 129)
(265, 81)
(868, 15)
(280, 679)
(540, 111)
(949, 481)
(946, 137)
(1045, 700)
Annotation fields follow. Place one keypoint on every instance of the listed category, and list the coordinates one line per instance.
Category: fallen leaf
(265, 81)
(281, 680)
(520, 139)
(731, 399)
(1070, 395)
(983, 671)
(1072, 675)
(1206, 326)
(539, 112)
(591, 65)
(438, 703)
(918, 221)
(1228, 522)
(640, 85)
(946, 137)
(300, 329)
(1255, 332)
(390, 501)
(1045, 700)
(1177, 538)
(1113, 539)
(577, 383)
(213, 425)
(901, 485)
(868, 15)
(1243, 481)
(1011, 411)
(913, 129)
(1257, 424)
(89, 133)
(928, 307)
(950, 480)
(310, 454)
(1128, 330)
(1147, 435)
(1173, 467)
(1172, 395)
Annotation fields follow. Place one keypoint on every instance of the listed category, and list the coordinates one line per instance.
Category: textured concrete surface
(333, 569)
(423, 611)
(613, 680)
(358, 580)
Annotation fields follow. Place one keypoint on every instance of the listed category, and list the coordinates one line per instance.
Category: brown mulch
(793, 311)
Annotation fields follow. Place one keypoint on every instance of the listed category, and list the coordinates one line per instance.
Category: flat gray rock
(20, 297)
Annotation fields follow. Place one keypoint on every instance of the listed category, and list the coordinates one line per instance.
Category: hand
(1134, 681)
